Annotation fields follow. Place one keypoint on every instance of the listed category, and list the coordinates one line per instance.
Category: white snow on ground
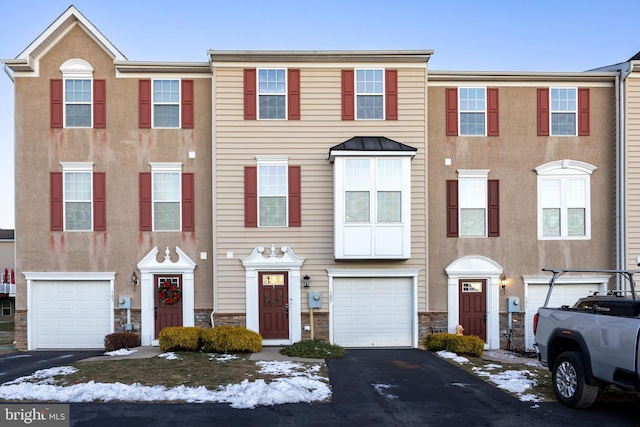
(302, 384)
(517, 382)
(121, 352)
(170, 356)
(381, 389)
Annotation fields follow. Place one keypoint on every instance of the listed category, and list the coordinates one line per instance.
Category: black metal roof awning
(372, 144)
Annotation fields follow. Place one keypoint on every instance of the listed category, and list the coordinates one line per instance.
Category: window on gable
(473, 107)
(564, 200)
(272, 94)
(370, 94)
(563, 111)
(166, 103)
(77, 102)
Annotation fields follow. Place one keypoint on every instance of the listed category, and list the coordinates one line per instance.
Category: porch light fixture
(503, 282)
(305, 280)
(134, 278)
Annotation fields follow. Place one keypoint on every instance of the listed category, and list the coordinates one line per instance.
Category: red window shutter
(543, 112)
(583, 111)
(188, 212)
(493, 128)
(99, 202)
(295, 197)
(144, 104)
(187, 104)
(348, 95)
(145, 202)
(99, 104)
(57, 200)
(56, 103)
(452, 208)
(391, 94)
(294, 94)
(451, 95)
(493, 204)
(250, 94)
(250, 196)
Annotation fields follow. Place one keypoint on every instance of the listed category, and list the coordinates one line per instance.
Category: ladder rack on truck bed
(557, 272)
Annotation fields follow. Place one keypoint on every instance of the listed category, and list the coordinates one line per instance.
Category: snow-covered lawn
(518, 382)
(300, 383)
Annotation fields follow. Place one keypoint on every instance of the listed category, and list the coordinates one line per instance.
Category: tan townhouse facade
(351, 196)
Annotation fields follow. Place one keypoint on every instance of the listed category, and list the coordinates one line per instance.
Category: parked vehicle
(592, 344)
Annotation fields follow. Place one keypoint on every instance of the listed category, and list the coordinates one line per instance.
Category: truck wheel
(569, 381)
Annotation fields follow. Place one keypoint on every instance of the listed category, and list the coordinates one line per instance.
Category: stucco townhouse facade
(351, 196)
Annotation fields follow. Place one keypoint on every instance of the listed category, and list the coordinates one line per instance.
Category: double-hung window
(473, 106)
(166, 103)
(78, 198)
(385, 187)
(370, 94)
(167, 197)
(563, 111)
(272, 94)
(272, 192)
(77, 102)
(564, 200)
(473, 205)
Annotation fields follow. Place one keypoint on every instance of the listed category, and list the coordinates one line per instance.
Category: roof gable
(28, 58)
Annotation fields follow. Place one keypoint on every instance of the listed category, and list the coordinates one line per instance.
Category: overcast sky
(500, 35)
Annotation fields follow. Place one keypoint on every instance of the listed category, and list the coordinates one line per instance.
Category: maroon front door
(166, 313)
(473, 307)
(274, 305)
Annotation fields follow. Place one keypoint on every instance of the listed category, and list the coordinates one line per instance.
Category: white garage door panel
(372, 312)
(563, 294)
(72, 314)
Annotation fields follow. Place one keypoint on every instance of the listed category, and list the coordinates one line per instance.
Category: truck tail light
(535, 323)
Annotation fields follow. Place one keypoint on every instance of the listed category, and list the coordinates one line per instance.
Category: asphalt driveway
(394, 387)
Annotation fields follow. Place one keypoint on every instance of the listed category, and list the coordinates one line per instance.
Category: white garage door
(72, 314)
(372, 312)
(563, 294)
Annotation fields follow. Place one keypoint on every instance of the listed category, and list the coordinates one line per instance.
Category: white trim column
(149, 266)
(289, 262)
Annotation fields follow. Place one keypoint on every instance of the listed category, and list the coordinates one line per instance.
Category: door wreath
(169, 293)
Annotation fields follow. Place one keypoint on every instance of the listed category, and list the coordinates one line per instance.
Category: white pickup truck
(592, 344)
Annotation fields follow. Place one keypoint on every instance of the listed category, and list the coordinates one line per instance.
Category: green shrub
(180, 338)
(231, 339)
(120, 340)
(314, 349)
(460, 344)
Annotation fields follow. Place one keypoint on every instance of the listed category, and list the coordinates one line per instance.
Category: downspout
(214, 246)
(620, 174)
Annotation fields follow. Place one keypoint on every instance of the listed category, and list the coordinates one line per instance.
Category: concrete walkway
(144, 352)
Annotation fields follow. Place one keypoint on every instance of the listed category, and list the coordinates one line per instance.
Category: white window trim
(165, 167)
(474, 174)
(76, 69)
(340, 224)
(178, 103)
(574, 112)
(273, 161)
(460, 111)
(356, 94)
(285, 94)
(75, 167)
(563, 169)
